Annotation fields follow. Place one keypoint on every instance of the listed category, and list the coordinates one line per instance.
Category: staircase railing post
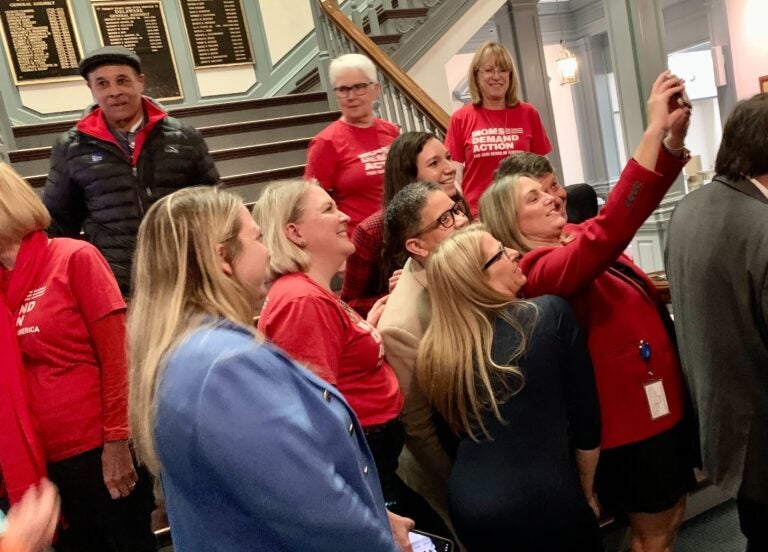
(323, 59)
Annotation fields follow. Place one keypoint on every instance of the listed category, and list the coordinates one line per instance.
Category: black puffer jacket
(93, 185)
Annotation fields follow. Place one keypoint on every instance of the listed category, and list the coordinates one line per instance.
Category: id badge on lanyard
(653, 386)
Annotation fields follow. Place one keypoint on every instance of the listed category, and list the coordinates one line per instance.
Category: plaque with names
(140, 26)
(217, 32)
(40, 39)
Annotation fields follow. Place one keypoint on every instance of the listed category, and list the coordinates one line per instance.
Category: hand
(663, 112)
(400, 526)
(394, 278)
(675, 139)
(117, 467)
(376, 310)
(33, 520)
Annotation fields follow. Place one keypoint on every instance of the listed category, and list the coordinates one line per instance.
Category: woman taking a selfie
(648, 447)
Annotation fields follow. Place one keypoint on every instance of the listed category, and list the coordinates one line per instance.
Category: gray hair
(350, 62)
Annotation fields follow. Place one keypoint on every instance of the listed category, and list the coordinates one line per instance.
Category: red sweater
(613, 309)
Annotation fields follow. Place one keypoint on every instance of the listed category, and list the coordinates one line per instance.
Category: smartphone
(682, 100)
(679, 100)
(426, 542)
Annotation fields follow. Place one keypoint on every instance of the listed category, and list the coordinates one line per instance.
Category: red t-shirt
(64, 377)
(317, 329)
(480, 138)
(348, 161)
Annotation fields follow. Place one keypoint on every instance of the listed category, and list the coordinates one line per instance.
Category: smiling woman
(496, 124)
(347, 157)
(648, 451)
(306, 233)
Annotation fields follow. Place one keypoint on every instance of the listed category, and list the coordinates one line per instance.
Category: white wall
(565, 122)
(456, 71)
(430, 71)
(747, 23)
(286, 23)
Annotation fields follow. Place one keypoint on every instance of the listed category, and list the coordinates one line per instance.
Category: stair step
(386, 39)
(44, 134)
(227, 140)
(277, 129)
(261, 157)
(30, 161)
(250, 110)
(250, 185)
(402, 13)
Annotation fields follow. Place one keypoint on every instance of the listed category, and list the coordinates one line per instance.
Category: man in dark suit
(717, 264)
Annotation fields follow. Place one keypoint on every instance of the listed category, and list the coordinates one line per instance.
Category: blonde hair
(504, 61)
(178, 283)
(279, 205)
(498, 209)
(454, 366)
(21, 210)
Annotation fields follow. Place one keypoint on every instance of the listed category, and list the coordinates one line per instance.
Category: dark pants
(93, 521)
(386, 445)
(753, 519)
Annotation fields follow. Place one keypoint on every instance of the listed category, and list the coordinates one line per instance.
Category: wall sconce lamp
(567, 64)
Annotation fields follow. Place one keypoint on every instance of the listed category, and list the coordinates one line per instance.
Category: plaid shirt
(362, 277)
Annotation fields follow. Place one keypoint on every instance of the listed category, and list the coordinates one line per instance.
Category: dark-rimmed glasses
(447, 219)
(502, 252)
(359, 89)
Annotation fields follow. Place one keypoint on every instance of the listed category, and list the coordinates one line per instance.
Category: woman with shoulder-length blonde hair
(306, 233)
(496, 124)
(648, 446)
(220, 415)
(63, 368)
(500, 205)
(513, 380)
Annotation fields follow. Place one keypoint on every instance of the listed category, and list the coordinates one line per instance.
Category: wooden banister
(384, 63)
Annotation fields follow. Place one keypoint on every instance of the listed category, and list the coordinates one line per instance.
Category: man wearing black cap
(120, 158)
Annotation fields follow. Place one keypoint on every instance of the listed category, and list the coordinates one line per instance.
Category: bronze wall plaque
(217, 31)
(140, 26)
(40, 39)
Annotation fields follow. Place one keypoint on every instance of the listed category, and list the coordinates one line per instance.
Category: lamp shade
(567, 66)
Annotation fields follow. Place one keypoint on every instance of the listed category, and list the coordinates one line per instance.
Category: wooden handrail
(399, 78)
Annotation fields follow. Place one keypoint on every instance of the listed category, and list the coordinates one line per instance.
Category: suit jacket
(424, 465)
(616, 304)
(717, 265)
(259, 454)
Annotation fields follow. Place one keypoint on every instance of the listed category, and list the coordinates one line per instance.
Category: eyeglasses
(446, 219)
(487, 72)
(359, 89)
(502, 252)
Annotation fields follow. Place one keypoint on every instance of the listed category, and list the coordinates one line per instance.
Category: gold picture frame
(764, 84)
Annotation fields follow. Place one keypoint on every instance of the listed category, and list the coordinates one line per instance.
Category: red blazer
(613, 309)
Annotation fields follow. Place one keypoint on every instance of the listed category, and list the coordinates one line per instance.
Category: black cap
(108, 55)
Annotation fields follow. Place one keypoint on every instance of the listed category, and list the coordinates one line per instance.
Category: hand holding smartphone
(680, 99)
